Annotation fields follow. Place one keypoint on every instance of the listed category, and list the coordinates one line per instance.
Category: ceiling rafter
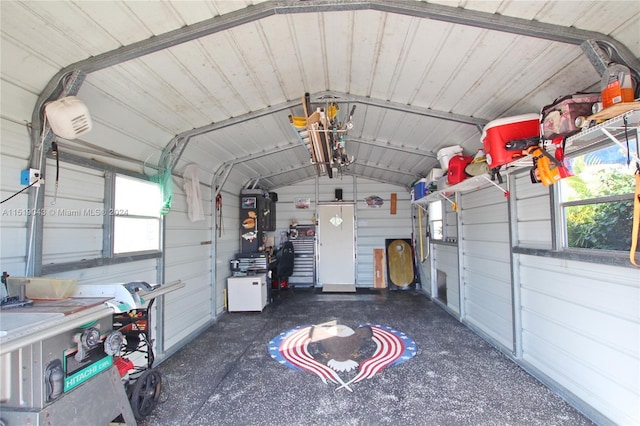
(178, 144)
(262, 10)
(254, 13)
(388, 145)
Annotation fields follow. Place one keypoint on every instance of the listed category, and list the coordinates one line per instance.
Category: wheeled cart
(132, 305)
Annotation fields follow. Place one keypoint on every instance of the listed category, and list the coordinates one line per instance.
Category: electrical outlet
(29, 176)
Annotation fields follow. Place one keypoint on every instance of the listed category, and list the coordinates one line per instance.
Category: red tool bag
(457, 164)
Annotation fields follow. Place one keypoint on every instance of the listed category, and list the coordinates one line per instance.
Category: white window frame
(108, 212)
(562, 243)
(432, 209)
(133, 216)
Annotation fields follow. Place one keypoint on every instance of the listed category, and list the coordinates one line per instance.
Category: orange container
(616, 85)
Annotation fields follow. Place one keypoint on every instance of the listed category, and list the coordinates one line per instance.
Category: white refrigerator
(247, 293)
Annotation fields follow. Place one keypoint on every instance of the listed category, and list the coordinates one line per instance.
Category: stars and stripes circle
(291, 349)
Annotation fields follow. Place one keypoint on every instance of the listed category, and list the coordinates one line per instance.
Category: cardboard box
(42, 287)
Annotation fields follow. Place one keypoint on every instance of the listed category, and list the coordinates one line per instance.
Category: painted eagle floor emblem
(336, 353)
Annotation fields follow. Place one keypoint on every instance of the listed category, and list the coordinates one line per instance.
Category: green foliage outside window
(604, 225)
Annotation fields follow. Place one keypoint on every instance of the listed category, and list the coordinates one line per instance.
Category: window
(435, 220)
(136, 222)
(597, 202)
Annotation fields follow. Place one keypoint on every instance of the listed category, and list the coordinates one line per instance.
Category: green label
(87, 373)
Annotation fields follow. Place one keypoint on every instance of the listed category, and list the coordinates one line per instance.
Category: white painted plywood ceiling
(213, 82)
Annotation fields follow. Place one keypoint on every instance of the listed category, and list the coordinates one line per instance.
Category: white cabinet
(247, 293)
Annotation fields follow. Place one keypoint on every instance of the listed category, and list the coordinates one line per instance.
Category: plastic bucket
(445, 154)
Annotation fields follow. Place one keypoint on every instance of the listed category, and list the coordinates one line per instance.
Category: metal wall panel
(486, 268)
(375, 225)
(74, 215)
(13, 158)
(581, 327)
(227, 238)
(450, 219)
(446, 268)
(188, 257)
(533, 211)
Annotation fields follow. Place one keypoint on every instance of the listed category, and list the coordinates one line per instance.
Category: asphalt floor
(233, 374)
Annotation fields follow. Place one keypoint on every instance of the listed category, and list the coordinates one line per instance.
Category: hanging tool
(420, 232)
(54, 152)
(219, 210)
(635, 227)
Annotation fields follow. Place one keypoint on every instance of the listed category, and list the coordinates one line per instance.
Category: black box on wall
(257, 215)
(250, 234)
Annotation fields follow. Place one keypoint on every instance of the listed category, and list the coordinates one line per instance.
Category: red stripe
(396, 346)
(294, 349)
(389, 349)
(386, 355)
(371, 366)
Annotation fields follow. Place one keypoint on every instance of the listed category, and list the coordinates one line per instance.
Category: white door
(336, 244)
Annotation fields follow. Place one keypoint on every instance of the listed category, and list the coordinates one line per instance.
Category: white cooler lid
(508, 120)
(455, 149)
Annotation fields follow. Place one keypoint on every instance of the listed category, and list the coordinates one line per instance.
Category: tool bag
(559, 118)
(457, 164)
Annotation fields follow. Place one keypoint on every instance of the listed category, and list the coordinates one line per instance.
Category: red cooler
(498, 132)
(457, 164)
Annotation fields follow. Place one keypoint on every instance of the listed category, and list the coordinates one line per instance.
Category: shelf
(469, 184)
(612, 129)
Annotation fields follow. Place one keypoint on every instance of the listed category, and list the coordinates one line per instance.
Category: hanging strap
(636, 222)
(635, 229)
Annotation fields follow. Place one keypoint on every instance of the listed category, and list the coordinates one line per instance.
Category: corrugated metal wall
(579, 320)
(423, 247)
(579, 326)
(533, 207)
(445, 258)
(227, 237)
(576, 318)
(187, 254)
(373, 225)
(286, 211)
(450, 218)
(188, 257)
(486, 276)
(70, 234)
(576, 323)
(14, 154)
(377, 224)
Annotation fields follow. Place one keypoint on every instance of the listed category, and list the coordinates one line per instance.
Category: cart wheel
(145, 393)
